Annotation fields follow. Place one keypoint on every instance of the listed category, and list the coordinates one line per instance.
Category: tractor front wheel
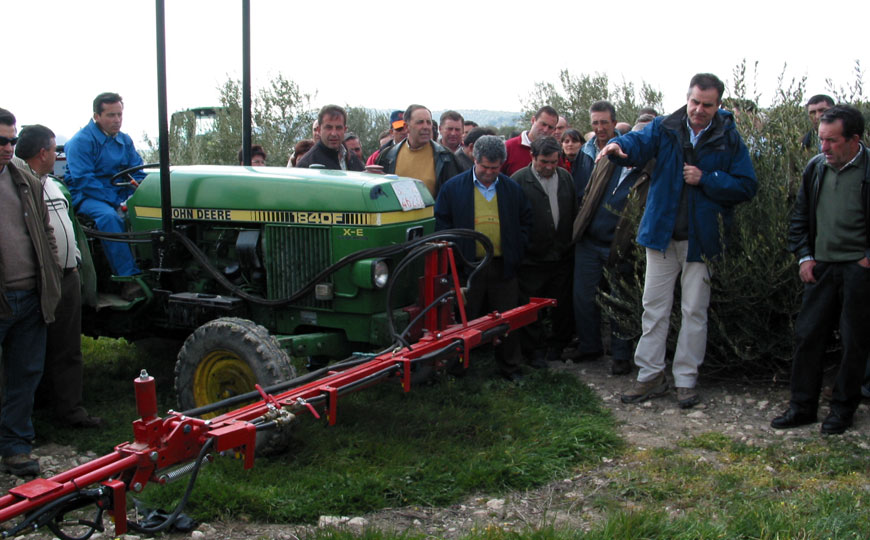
(226, 357)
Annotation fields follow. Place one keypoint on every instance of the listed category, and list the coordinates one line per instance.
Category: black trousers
(62, 377)
(490, 291)
(841, 294)
(548, 280)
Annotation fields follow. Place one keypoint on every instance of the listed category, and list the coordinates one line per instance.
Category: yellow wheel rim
(221, 374)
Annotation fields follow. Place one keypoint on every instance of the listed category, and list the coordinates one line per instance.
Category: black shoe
(836, 423)
(538, 360)
(576, 356)
(620, 367)
(792, 418)
(513, 376)
(86, 422)
(554, 354)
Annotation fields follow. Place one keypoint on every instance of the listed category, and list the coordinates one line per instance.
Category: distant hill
(483, 117)
(487, 118)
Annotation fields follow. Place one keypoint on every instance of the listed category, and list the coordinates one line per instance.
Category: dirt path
(742, 412)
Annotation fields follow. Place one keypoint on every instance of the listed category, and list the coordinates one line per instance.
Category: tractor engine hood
(283, 195)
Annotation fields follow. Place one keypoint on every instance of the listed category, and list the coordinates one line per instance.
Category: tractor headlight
(381, 274)
(371, 273)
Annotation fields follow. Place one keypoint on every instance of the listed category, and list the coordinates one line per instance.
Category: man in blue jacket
(95, 154)
(702, 171)
(491, 203)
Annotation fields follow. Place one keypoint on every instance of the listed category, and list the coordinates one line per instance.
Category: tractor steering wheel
(128, 173)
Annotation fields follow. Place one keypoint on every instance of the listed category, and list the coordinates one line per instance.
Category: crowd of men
(557, 215)
(554, 204)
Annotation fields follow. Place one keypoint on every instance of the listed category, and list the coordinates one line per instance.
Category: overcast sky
(389, 53)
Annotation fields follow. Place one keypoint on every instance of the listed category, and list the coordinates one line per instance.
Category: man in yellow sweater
(491, 203)
(419, 156)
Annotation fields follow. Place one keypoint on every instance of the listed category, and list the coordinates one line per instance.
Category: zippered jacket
(727, 179)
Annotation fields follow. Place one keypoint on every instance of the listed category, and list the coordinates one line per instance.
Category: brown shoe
(642, 391)
(21, 465)
(687, 397)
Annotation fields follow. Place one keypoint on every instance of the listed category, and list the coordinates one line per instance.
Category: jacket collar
(323, 148)
(436, 147)
(590, 147)
(675, 123)
(97, 132)
(532, 179)
(17, 173)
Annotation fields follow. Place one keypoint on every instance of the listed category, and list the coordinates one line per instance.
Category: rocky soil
(740, 411)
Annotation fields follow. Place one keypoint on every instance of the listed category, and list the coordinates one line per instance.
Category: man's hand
(611, 149)
(691, 174)
(865, 262)
(806, 271)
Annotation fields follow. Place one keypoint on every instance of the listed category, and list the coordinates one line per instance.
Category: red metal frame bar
(161, 443)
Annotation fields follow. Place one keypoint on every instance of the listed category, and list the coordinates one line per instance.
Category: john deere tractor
(262, 264)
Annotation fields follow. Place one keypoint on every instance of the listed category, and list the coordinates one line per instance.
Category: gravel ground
(740, 411)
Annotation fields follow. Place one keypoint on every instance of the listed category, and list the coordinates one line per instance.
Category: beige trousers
(662, 270)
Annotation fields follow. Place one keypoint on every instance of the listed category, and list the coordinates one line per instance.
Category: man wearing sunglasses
(29, 293)
(95, 154)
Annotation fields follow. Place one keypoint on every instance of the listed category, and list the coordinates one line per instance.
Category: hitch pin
(310, 407)
(271, 402)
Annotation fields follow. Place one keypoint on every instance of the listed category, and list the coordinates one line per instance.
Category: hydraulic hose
(170, 519)
(386, 251)
(47, 514)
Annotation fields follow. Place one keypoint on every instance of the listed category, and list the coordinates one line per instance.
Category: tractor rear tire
(226, 357)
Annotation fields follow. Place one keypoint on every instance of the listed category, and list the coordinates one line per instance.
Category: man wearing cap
(398, 131)
(418, 156)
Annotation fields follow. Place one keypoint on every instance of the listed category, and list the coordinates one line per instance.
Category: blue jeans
(23, 338)
(589, 261)
(107, 219)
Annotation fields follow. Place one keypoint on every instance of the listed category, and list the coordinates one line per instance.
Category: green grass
(432, 446)
(478, 434)
(110, 367)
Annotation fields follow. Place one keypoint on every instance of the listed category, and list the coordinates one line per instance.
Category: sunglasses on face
(5, 140)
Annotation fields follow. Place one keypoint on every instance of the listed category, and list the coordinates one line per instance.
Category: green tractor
(247, 275)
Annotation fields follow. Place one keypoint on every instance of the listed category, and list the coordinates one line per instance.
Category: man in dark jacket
(816, 106)
(30, 287)
(702, 171)
(829, 234)
(546, 270)
(419, 156)
(329, 150)
(602, 117)
(598, 245)
(465, 153)
(491, 203)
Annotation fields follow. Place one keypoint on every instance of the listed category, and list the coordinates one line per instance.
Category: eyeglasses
(5, 140)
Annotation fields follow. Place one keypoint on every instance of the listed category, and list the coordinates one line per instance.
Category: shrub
(756, 292)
